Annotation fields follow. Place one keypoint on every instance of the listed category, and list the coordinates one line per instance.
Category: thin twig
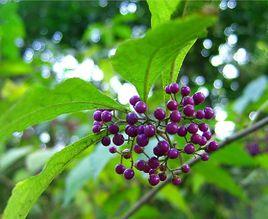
(149, 195)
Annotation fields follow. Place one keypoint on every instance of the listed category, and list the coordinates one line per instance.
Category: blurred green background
(45, 42)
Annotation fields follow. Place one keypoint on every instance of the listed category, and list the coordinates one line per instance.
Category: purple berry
(187, 101)
(209, 113)
(118, 139)
(172, 128)
(131, 131)
(188, 110)
(203, 127)
(192, 128)
(140, 164)
(172, 105)
(176, 181)
(126, 153)
(167, 89)
(162, 176)
(159, 114)
(154, 179)
(189, 149)
(163, 147)
(153, 162)
(207, 135)
(175, 116)
(133, 100)
(157, 151)
(185, 168)
(106, 141)
(203, 141)
(146, 168)
(212, 146)
(96, 128)
(142, 140)
(199, 98)
(185, 91)
(132, 118)
(119, 169)
(204, 156)
(129, 174)
(140, 107)
(138, 149)
(141, 129)
(196, 139)
(173, 153)
(113, 129)
(106, 116)
(149, 130)
(97, 115)
(182, 131)
(200, 114)
(112, 149)
(174, 88)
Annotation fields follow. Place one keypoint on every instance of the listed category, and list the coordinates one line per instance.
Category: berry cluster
(182, 118)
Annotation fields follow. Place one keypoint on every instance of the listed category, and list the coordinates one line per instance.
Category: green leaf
(161, 10)
(42, 104)
(27, 192)
(217, 176)
(142, 61)
(262, 160)
(15, 68)
(12, 156)
(88, 168)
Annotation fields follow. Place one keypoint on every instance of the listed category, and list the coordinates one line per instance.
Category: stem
(145, 198)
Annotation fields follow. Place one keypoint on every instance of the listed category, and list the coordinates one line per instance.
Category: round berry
(207, 135)
(203, 127)
(209, 113)
(163, 147)
(212, 146)
(203, 141)
(159, 114)
(189, 149)
(138, 149)
(172, 128)
(204, 156)
(133, 100)
(96, 129)
(192, 128)
(126, 153)
(106, 141)
(146, 168)
(140, 107)
(118, 139)
(131, 131)
(185, 168)
(188, 110)
(157, 151)
(149, 130)
(176, 181)
(140, 164)
(131, 118)
(112, 149)
(167, 89)
(185, 91)
(120, 168)
(200, 114)
(153, 162)
(175, 116)
(174, 88)
(172, 105)
(187, 101)
(182, 131)
(173, 153)
(113, 129)
(141, 129)
(162, 176)
(196, 139)
(97, 115)
(106, 116)
(142, 140)
(163, 167)
(129, 174)
(199, 98)
(154, 179)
